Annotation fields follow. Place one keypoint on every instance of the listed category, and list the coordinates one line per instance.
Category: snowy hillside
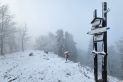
(41, 67)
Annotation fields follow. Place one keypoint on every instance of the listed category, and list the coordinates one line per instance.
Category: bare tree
(24, 37)
(6, 27)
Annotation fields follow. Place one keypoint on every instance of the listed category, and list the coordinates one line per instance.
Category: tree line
(58, 43)
(12, 38)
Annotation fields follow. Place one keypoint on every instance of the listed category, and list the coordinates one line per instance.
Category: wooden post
(99, 27)
(104, 24)
(95, 13)
(95, 61)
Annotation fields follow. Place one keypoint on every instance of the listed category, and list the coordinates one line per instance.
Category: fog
(43, 16)
(74, 16)
(60, 27)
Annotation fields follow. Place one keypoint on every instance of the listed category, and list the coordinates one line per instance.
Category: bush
(31, 54)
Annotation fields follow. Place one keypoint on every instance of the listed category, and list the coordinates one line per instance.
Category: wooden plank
(99, 53)
(98, 30)
(97, 22)
(98, 37)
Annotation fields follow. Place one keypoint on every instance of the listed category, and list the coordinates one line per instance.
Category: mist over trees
(58, 43)
(47, 43)
(115, 58)
(119, 47)
(7, 30)
(114, 64)
(10, 35)
(70, 45)
(23, 37)
(13, 39)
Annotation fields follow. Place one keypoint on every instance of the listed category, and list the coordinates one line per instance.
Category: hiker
(67, 54)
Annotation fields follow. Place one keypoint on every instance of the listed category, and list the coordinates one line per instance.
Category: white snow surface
(41, 67)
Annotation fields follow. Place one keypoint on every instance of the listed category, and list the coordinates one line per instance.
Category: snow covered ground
(41, 67)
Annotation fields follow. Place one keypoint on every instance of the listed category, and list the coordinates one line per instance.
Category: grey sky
(74, 16)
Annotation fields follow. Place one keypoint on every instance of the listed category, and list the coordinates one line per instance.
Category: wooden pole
(95, 61)
(104, 24)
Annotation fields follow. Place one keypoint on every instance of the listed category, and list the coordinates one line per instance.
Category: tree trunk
(22, 44)
(2, 46)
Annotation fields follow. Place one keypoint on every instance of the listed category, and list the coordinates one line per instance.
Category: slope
(41, 67)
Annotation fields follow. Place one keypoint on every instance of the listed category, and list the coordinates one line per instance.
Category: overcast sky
(74, 16)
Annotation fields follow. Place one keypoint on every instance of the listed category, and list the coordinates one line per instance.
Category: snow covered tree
(41, 43)
(52, 42)
(60, 42)
(23, 37)
(47, 43)
(70, 45)
(7, 28)
(89, 55)
(113, 61)
(120, 53)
